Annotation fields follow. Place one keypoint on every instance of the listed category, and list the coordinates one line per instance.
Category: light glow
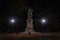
(43, 21)
(12, 20)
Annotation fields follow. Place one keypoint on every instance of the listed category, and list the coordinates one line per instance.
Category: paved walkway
(14, 35)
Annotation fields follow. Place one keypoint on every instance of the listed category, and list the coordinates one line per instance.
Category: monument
(29, 28)
(29, 32)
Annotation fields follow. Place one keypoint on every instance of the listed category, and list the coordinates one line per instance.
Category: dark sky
(42, 8)
(39, 5)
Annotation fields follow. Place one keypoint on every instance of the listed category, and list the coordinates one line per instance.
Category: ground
(49, 36)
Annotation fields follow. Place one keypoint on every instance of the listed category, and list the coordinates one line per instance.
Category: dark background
(18, 9)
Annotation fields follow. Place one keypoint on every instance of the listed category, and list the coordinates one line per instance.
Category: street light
(43, 21)
(12, 20)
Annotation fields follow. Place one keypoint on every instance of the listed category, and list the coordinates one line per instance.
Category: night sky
(18, 9)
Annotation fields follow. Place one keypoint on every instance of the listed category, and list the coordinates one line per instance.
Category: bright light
(43, 21)
(12, 20)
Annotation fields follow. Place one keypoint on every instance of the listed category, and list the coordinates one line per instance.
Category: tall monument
(29, 27)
